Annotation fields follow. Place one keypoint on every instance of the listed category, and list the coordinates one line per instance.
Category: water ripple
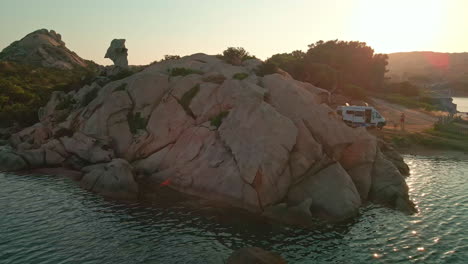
(49, 220)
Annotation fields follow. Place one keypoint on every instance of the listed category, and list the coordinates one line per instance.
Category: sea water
(46, 219)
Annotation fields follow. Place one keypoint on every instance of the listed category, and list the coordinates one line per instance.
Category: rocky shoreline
(204, 127)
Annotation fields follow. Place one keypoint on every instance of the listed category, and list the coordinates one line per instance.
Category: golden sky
(154, 28)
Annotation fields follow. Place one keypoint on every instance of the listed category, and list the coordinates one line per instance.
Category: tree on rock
(236, 56)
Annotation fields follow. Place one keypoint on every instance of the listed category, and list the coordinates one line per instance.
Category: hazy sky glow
(263, 27)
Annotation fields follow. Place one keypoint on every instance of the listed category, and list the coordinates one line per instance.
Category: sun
(397, 25)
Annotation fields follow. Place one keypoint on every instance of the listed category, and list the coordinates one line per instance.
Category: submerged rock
(254, 255)
(389, 186)
(11, 161)
(203, 127)
(114, 179)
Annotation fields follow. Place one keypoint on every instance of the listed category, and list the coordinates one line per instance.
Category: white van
(366, 116)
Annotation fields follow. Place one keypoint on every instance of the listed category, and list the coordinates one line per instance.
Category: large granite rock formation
(43, 48)
(118, 53)
(203, 127)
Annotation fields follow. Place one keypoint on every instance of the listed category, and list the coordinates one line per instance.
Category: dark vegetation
(349, 67)
(182, 72)
(219, 78)
(136, 122)
(90, 96)
(171, 57)
(218, 120)
(166, 58)
(24, 89)
(240, 76)
(235, 56)
(66, 103)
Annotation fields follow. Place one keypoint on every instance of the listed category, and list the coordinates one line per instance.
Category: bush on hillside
(171, 57)
(25, 88)
(136, 122)
(236, 56)
(240, 76)
(182, 72)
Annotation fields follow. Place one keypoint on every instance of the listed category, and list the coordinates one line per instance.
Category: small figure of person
(402, 121)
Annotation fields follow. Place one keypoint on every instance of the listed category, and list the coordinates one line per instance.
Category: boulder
(34, 136)
(35, 158)
(389, 186)
(55, 153)
(358, 159)
(298, 215)
(200, 164)
(118, 53)
(87, 148)
(262, 158)
(252, 64)
(107, 116)
(10, 161)
(114, 180)
(292, 100)
(56, 110)
(392, 155)
(270, 145)
(332, 193)
(254, 255)
(152, 163)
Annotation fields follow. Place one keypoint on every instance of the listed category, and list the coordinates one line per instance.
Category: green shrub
(187, 99)
(240, 76)
(66, 103)
(136, 122)
(26, 88)
(121, 87)
(90, 96)
(218, 79)
(182, 72)
(266, 68)
(235, 56)
(171, 57)
(218, 120)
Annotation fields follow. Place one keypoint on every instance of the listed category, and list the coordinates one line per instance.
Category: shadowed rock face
(118, 53)
(266, 144)
(42, 48)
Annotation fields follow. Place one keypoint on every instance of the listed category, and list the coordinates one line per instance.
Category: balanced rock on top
(118, 53)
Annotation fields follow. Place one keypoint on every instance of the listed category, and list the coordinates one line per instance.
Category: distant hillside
(429, 68)
(43, 48)
(34, 67)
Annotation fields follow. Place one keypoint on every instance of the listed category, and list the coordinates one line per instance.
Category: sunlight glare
(398, 25)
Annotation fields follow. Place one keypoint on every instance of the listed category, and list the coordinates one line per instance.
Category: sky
(154, 28)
